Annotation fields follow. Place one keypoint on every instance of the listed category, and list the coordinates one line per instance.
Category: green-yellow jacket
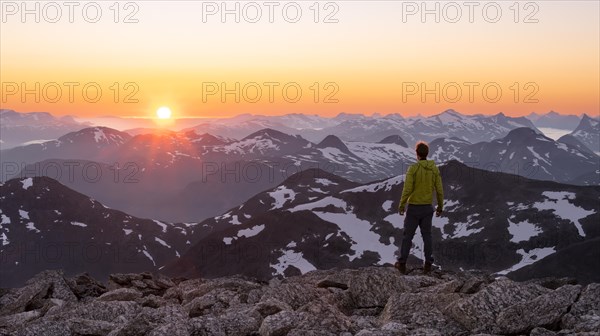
(421, 178)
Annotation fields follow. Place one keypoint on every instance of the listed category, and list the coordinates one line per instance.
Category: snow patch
(522, 231)
(4, 239)
(24, 214)
(282, 195)
(162, 225)
(558, 202)
(99, 135)
(250, 232)
(31, 227)
(465, 229)
(79, 224)
(293, 258)
(359, 231)
(234, 220)
(530, 257)
(386, 185)
(27, 183)
(162, 242)
(325, 182)
(148, 255)
(329, 200)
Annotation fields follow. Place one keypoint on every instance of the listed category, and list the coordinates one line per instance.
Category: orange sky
(370, 57)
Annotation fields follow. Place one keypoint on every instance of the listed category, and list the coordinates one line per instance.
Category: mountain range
(527, 153)
(555, 120)
(186, 176)
(17, 128)
(315, 220)
(495, 222)
(45, 225)
(588, 132)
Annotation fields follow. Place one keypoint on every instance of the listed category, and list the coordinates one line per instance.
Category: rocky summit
(364, 301)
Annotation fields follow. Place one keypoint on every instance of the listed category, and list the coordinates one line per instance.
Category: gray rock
(242, 321)
(541, 332)
(206, 326)
(378, 301)
(312, 332)
(81, 326)
(451, 286)
(238, 321)
(294, 294)
(389, 329)
(237, 287)
(364, 322)
(36, 292)
(124, 279)
(171, 329)
(164, 282)
(280, 324)
(326, 283)
(202, 305)
(426, 332)
(96, 310)
(422, 310)
(152, 301)
(149, 319)
(84, 286)
(121, 294)
(19, 318)
(271, 306)
(173, 294)
(474, 283)
(372, 286)
(478, 312)
(553, 283)
(377, 332)
(42, 327)
(395, 327)
(139, 284)
(546, 309)
(59, 286)
(584, 314)
(330, 318)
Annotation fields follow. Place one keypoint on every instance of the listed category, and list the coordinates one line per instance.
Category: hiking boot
(427, 267)
(400, 266)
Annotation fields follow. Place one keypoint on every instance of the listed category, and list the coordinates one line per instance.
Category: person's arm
(439, 189)
(407, 190)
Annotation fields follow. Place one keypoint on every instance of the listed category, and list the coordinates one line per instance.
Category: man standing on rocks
(421, 179)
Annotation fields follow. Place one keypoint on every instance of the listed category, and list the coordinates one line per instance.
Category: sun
(163, 113)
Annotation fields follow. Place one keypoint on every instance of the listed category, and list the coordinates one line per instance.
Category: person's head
(422, 150)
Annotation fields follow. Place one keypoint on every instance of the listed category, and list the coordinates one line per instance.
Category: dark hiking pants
(417, 216)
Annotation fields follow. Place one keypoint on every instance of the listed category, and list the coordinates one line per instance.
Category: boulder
(84, 286)
(37, 291)
(81, 326)
(478, 311)
(121, 294)
(365, 301)
(422, 310)
(584, 315)
(544, 310)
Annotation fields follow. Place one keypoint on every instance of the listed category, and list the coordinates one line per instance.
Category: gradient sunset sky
(369, 53)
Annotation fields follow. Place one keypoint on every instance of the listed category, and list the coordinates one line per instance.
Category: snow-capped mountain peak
(332, 141)
(102, 136)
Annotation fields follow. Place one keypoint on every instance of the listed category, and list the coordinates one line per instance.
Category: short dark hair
(422, 149)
